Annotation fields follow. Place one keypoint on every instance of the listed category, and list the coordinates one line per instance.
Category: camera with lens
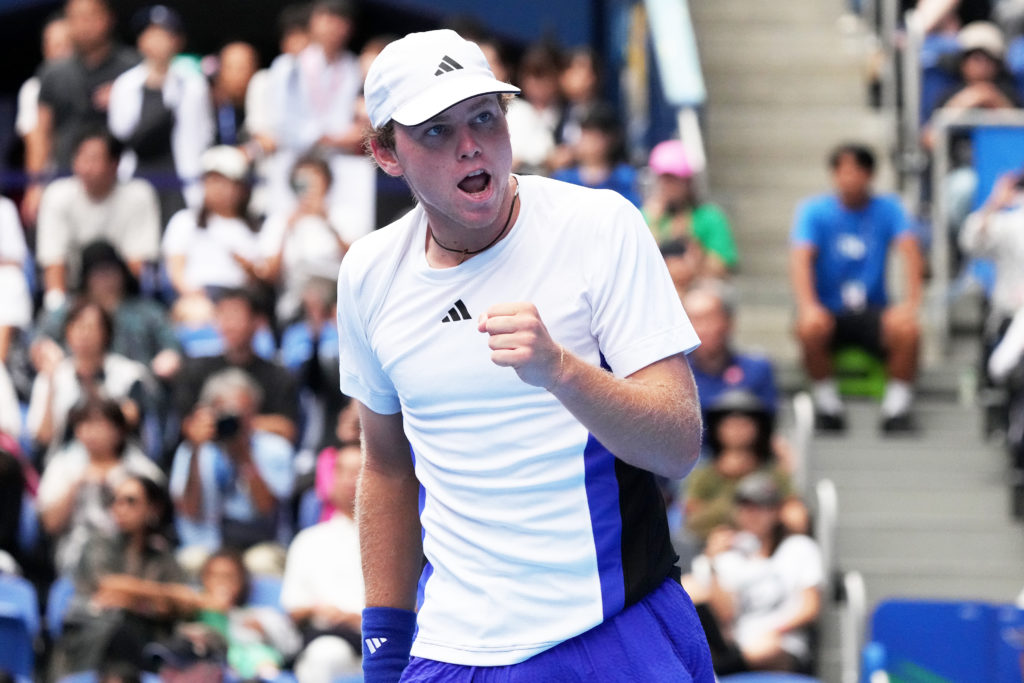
(227, 426)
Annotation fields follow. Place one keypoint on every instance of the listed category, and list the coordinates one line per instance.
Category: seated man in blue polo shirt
(717, 366)
(839, 248)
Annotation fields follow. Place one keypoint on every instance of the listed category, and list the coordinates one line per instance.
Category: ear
(386, 159)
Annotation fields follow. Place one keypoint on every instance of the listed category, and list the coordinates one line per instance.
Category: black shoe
(833, 423)
(901, 423)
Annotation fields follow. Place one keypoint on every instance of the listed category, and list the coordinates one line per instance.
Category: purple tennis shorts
(657, 639)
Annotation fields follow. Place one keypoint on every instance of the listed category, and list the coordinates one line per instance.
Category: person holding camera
(229, 480)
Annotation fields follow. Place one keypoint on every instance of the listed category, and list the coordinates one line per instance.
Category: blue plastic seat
(19, 625)
(57, 605)
(265, 591)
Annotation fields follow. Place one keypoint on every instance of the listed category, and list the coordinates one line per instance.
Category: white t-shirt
(311, 249)
(323, 567)
(207, 251)
(526, 542)
(128, 218)
(16, 310)
(769, 590)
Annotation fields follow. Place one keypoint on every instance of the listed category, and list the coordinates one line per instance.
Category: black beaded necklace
(467, 252)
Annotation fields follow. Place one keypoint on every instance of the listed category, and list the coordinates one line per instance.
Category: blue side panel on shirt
(428, 569)
(603, 499)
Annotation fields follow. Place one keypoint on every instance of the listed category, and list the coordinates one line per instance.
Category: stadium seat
(859, 373)
(988, 641)
(265, 591)
(57, 605)
(19, 625)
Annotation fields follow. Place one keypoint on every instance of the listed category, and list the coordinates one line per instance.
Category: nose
(468, 147)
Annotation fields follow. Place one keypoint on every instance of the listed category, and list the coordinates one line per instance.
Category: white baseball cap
(228, 161)
(422, 74)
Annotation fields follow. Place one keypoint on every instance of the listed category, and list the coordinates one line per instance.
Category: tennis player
(519, 352)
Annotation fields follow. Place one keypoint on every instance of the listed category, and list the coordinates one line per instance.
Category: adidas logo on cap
(447, 64)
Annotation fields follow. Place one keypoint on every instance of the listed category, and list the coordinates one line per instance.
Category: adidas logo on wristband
(374, 644)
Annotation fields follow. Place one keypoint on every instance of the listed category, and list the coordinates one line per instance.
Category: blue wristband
(387, 639)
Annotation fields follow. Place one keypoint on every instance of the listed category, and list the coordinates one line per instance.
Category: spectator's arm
(807, 613)
(931, 13)
(801, 274)
(191, 502)
(57, 513)
(262, 497)
(38, 144)
(388, 513)
(913, 267)
(55, 278)
(176, 264)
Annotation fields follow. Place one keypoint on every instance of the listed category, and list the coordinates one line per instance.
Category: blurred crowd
(172, 437)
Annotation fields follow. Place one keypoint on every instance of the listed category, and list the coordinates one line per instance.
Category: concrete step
(781, 15)
(748, 88)
(766, 130)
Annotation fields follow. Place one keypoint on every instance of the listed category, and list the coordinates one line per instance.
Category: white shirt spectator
(10, 414)
(28, 107)
(1002, 240)
(311, 249)
(532, 132)
(769, 589)
(187, 94)
(324, 568)
(120, 375)
(16, 310)
(208, 251)
(128, 218)
(91, 514)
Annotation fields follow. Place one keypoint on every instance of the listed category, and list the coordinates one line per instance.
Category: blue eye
(485, 116)
(435, 131)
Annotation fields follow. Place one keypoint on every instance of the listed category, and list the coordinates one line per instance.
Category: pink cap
(669, 158)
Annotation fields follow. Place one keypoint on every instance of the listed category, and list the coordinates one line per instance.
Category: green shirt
(709, 226)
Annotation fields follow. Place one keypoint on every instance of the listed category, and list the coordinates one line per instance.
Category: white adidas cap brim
(441, 96)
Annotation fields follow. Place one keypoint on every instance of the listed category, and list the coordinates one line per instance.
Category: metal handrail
(852, 624)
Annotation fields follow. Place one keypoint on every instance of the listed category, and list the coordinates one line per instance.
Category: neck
(450, 245)
(855, 201)
(239, 356)
(88, 364)
(99, 192)
(713, 362)
(93, 56)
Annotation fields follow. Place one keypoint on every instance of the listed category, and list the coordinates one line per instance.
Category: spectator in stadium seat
(16, 312)
(676, 214)
(230, 479)
(580, 84)
(323, 582)
(316, 96)
(56, 45)
(216, 246)
(78, 481)
(89, 369)
(840, 244)
(161, 110)
(91, 205)
(717, 366)
(110, 619)
(142, 331)
(996, 231)
(533, 118)
(304, 243)
(237, 321)
(739, 436)
(600, 156)
(759, 585)
(237, 63)
(73, 95)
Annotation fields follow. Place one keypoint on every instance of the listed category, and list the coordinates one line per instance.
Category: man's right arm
(387, 512)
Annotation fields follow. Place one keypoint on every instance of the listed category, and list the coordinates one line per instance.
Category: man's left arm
(913, 269)
(649, 419)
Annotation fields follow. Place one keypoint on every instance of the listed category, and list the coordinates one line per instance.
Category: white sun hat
(422, 74)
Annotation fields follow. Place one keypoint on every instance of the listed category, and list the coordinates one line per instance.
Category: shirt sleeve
(293, 587)
(142, 242)
(637, 316)
(361, 374)
(12, 237)
(804, 233)
(179, 231)
(52, 230)
(900, 222)
(272, 235)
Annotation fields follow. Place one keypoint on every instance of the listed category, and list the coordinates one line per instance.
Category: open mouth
(476, 182)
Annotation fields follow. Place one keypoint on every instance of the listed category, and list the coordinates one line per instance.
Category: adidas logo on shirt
(447, 64)
(456, 313)
(374, 644)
